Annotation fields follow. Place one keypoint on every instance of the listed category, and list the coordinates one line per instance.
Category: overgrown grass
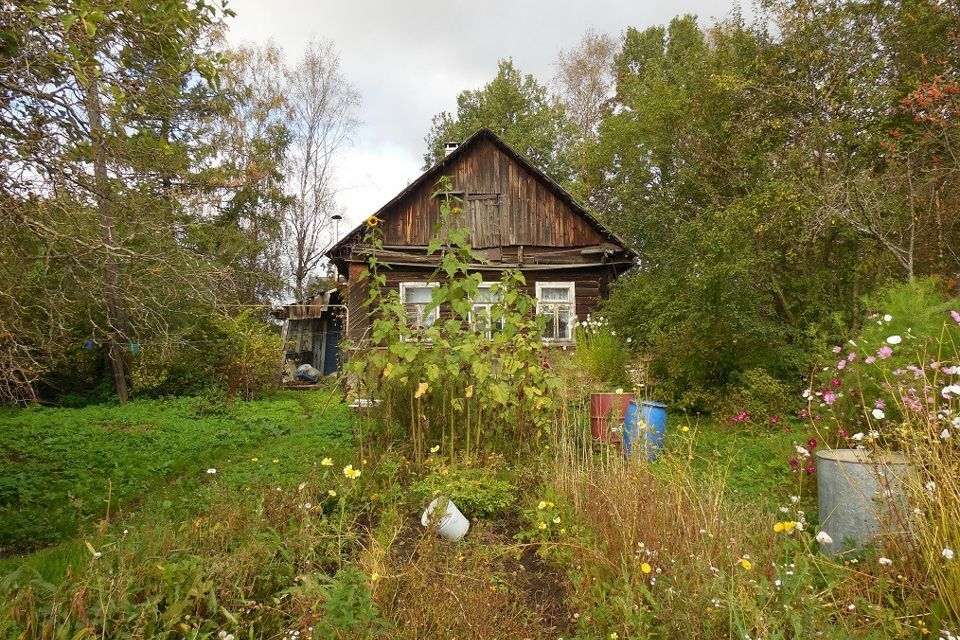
(66, 467)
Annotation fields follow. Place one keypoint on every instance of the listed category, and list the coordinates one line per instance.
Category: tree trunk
(116, 318)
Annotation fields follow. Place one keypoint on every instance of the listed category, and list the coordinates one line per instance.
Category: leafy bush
(252, 364)
(477, 492)
(601, 352)
(754, 397)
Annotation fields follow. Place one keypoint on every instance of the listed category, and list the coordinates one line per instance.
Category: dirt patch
(487, 586)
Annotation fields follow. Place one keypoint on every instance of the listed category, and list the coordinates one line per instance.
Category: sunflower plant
(473, 388)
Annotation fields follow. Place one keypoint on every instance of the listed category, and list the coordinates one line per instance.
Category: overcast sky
(410, 59)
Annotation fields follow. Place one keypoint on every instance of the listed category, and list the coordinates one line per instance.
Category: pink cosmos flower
(852, 356)
(870, 360)
(804, 414)
(836, 383)
(811, 444)
(774, 419)
(884, 352)
(879, 403)
(837, 349)
(842, 433)
(829, 397)
(841, 365)
(955, 316)
(810, 470)
(794, 464)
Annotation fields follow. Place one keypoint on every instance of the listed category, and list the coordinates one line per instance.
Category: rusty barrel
(606, 413)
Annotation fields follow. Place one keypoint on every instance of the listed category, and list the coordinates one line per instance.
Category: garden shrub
(754, 397)
(251, 366)
(478, 492)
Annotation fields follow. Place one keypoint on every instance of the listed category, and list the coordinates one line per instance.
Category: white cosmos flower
(947, 554)
(806, 393)
(857, 436)
(944, 434)
(894, 340)
(873, 434)
(931, 486)
(211, 470)
(878, 414)
(802, 451)
(824, 538)
(886, 562)
(887, 318)
(953, 389)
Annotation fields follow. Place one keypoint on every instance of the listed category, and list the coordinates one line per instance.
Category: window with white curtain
(556, 302)
(416, 297)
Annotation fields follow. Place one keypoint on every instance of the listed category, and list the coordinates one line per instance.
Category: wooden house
(519, 219)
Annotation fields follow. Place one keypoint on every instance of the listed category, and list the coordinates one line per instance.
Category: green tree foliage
(765, 177)
(517, 108)
(99, 125)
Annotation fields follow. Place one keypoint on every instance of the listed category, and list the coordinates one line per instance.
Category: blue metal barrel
(631, 427)
(654, 415)
(648, 422)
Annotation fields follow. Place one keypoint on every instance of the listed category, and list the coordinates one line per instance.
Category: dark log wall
(591, 284)
(504, 205)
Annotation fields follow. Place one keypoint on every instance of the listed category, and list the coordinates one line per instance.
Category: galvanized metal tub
(861, 495)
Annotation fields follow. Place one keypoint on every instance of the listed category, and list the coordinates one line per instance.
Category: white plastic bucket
(452, 524)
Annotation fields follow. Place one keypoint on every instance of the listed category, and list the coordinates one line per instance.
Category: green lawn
(61, 467)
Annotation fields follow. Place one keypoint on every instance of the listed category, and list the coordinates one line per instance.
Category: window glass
(416, 297)
(555, 303)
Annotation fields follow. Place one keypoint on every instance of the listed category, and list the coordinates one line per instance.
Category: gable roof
(433, 173)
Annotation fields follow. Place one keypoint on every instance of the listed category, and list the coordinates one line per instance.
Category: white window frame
(571, 300)
(489, 309)
(435, 313)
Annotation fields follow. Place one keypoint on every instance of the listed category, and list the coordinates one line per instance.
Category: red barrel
(606, 412)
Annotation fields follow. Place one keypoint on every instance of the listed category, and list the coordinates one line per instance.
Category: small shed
(312, 330)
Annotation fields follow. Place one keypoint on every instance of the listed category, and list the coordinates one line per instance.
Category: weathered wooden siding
(591, 286)
(504, 205)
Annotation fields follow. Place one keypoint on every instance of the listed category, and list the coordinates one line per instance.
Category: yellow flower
(332, 493)
(373, 221)
(646, 568)
(550, 505)
(542, 505)
(350, 472)
(556, 520)
(789, 526)
(778, 528)
(542, 525)
(275, 461)
(435, 448)
(326, 462)
(421, 389)
(746, 564)
(685, 428)
(614, 636)
(563, 531)
(254, 459)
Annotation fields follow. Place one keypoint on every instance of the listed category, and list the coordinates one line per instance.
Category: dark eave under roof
(433, 173)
